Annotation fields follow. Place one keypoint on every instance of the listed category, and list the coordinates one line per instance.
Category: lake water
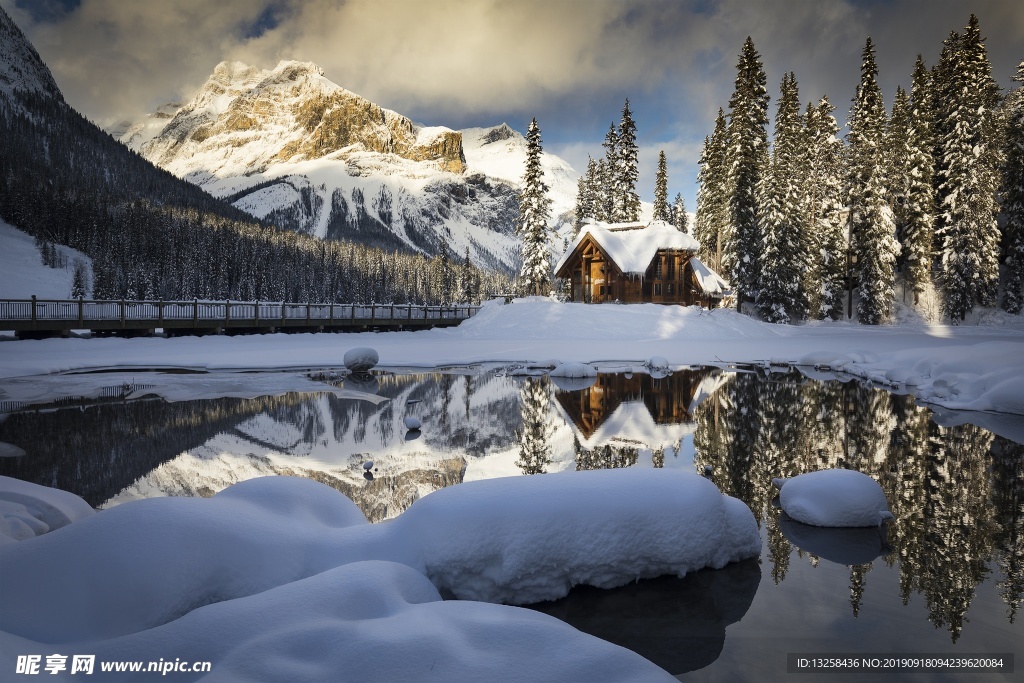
(947, 579)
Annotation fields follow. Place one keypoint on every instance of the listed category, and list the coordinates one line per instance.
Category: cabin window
(671, 269)
(670, 288)
(657, 289)
(601, 290)
(658, 267)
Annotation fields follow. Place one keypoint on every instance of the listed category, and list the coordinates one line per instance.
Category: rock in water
(412, 423)
(360, 359)
(834, 498)
(368, 465)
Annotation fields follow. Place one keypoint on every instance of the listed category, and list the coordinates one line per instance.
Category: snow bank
(22, 273)
(517, 540)
(533, 538)
(834, 498)
(373, 621)
(28, 510)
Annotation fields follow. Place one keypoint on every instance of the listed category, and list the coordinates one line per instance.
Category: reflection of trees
(605, 457)
(1008, 507)
(536, 428)
(953, 519)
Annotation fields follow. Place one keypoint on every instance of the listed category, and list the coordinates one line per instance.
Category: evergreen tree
(610, 175)
(534, 212)
(898, 155)
(823, 204)
(968, 230)
(1013, 195)
(872, 229)
(919, 221)
(586, 196)
(628, 203)
(79, 283)
(712, 220)
(661, 208)
(780, 295)
(679, 217)
(745, 160)
(535, 432)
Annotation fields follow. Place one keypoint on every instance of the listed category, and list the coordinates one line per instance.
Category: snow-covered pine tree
(610, 174)
(919, 227)
(897, 154)
(602, 192)
(825, 162)
(535, 432)
(872, 229)
(661, 208)
(679, 217)
(780, 296)
(534, 211)
(1013, 195)
(746, 157)
(628, 204)
(712, 220)
(586, 201)
(968, 231)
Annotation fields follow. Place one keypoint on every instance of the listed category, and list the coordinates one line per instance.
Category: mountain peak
(21, 68)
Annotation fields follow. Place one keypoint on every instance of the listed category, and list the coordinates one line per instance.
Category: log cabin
(638, 263)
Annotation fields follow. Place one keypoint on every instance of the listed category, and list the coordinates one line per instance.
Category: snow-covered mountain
(21, 68)
(290, 146)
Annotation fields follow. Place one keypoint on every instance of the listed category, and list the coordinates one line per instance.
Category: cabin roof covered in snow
(632, 246)
(710, 281)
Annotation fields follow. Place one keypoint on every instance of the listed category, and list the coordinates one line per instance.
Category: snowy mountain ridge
(21, 68)
(290, 146)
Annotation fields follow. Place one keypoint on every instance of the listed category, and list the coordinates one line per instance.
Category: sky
(461, 63)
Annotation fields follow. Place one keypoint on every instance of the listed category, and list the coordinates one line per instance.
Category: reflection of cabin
(668, 400)
(634, 262)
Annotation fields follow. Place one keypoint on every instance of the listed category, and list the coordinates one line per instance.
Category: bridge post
(80, 314)
(122, 314)
(332, 315)
(160, 313)
(195, 313)
(33, 311)
(256, 313)
(307, 313)
(282, 313)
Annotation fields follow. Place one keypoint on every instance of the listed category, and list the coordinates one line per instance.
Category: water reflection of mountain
(957, 492)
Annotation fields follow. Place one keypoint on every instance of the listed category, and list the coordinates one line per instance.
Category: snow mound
(534, 538)
(574, 370)
(28, 510)
(375, 621)
(517, 539)
(834, 498)
(360, 359)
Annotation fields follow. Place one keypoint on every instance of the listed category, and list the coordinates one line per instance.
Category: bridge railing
(256, 312)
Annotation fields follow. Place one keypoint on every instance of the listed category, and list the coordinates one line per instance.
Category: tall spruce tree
(898, 155)
(968, 232)
(712, 219)
(872, 229)
(919, 216)
(746, 157)
(586, 196)
(1013, 195)
(610, 175)
(628, 202)
(823, 201)
(661, 208)
(534, 212)
(679, 217)
(780, 296)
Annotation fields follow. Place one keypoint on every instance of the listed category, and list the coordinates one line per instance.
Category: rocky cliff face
(21, 69)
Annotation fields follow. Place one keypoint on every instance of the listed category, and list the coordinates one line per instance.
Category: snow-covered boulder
(533, 538)
(360, 359)
(834, 498)
(573, 376)
(412, 422)
(28, 510)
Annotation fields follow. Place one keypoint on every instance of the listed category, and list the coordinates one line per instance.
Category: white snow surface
(300, 550)
(28, 510)
(22, 273)
(834, 498)
(965, 367)
(360, 359)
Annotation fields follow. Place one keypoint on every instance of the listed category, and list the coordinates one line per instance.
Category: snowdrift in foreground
(834, 498)
(28, 510)
(157, 564)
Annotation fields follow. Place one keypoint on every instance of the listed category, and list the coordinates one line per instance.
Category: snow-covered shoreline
(968, 367)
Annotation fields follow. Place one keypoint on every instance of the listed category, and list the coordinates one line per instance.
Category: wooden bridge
(36, 318)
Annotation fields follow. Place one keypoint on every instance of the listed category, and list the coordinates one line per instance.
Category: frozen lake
(948, 578)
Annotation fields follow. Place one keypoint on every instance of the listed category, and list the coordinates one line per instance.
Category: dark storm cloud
(571, 63)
